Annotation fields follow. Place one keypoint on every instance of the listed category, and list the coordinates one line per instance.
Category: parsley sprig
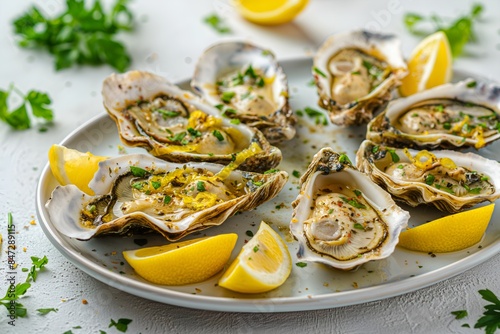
(459, 31)
(21, 288)
(79, 35)
(490, 320)
(36, 102)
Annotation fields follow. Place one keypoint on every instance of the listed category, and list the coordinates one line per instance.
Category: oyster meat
(140, 193)
(464, 114)
(355, 73)
(247, 84)
(449, 180)
(177, 126)
(341, 218)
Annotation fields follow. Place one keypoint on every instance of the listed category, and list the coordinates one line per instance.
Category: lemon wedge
(184, 262)
(269, 12)
(448, 234)
(263, 264)
(429, 65)
(70, 166)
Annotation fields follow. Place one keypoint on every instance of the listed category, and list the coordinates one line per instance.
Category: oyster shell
(140, 192)
(449, 180)
(464, 114)
(355, 73)
(341, 218)
(247, 83)
(177, 126)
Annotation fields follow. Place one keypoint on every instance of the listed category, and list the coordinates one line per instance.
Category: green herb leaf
(256, 249)
(318, 71)
(459, 31)
(227, 96)
(178, 137)
(357, 192)
(344, 159)
(137, 185)
(167, 199)
(249, 233)
(429, 179)
(218, 135)
(200, 186)
(318, 115)
(491, 317)
(353, 202)
(138, 171)
(44, 311)
(459, 314)
(296, 173)
(194, 133)
(235, 121)
(301, 264)
(156, 184)
(217, 24)
(167, 113)
(78, 35)
(121, 324)
(271, 171)
(358, 226)
(394, 155)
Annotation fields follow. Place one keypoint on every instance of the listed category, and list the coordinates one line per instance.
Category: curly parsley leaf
(79, 35)
(44, 311)
(459, 31)
(18, 118)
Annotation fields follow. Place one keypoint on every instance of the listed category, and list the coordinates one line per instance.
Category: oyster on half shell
(341, 218)
(177, 126)
(246, 83)
(355, 74)
(464, 114)
(138, 193)
(449, 180)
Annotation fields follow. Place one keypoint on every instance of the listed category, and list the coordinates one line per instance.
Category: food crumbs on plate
(113, 253)
(24, 249)
(63, 300)
(326, 284)
(355, 285)
(84, 301)
(32, 222)
(197, 290)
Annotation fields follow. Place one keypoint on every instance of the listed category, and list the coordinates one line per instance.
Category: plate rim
(252, 305)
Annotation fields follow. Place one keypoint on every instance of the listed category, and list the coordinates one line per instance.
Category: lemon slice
(448, 234)
(269, 12)
(185, 262)
(73, 167)
(263, 264)
(430, 65)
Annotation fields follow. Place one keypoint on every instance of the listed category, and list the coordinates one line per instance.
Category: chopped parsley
(249, 233)
(318, 71)
(353, 202)
(178, 137)
(256, 249)
(138, 185)
(296, 173)
(121, 324)
(44, 311)
(357, 192)
(167, 199)
(358, 226)
(301, 264)
(429, 179)
(218, 135)
(472, 84)
(200, 186)
(271, 171)
(394, 155)
(138, 171)
(156, 184)
(194, 133)
(217, 24)
(235, 121)
(167, 113)
(319, 116)
(227, 96)
(344, 159)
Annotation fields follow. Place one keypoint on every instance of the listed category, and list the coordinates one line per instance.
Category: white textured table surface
(169, 37)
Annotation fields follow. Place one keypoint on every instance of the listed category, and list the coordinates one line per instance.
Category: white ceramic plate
(312, 287)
